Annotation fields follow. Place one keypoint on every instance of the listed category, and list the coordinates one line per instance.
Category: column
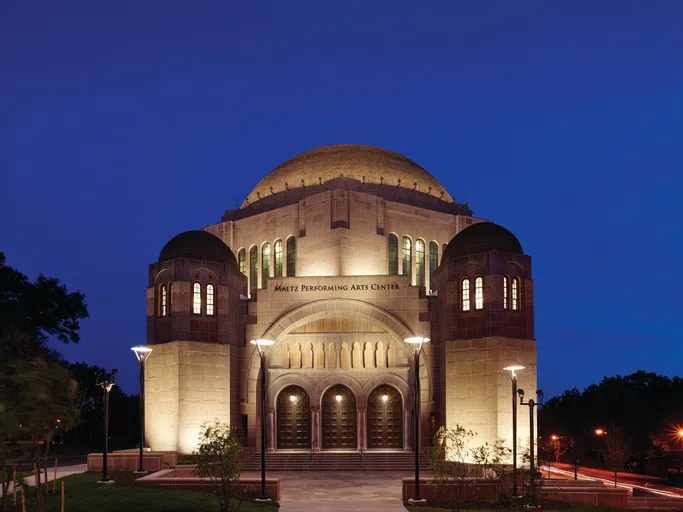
(362, 429)
(315, 428)
(338, 349)
(270, 431)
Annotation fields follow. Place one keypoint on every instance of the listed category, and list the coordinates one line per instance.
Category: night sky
(124, 123)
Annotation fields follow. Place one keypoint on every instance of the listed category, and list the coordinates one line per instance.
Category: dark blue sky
(123, 123)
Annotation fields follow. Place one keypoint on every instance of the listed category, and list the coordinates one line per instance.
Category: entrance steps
(336, 461)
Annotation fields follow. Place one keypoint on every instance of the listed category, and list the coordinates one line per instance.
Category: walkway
(331, 491)
(61, 472)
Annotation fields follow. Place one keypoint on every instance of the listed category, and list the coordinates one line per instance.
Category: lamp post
(106, 383)
(142, 353)
(514, 372)
(417, 341)
(531, 403)
(262, 356)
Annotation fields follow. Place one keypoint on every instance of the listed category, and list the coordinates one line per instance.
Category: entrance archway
(293, 419)
(385, 418)
(339, 425)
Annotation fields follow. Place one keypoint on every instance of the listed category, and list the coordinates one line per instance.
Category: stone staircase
(336, 461)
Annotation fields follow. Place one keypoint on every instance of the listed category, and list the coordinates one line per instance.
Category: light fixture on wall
(385, 398)
(338, 398)
(417, 342)
(262, 356)
(293, 398)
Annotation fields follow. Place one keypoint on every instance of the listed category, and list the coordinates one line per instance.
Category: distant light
(680, 433)
(554, 437)
(385, 398)
(59, 420)
(600, 432)
(338, 398)
(293, 398)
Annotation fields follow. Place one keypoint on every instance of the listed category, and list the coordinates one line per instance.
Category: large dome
(374, 165)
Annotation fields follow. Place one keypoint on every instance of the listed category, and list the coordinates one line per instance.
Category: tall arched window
(197, 299)
(162, 300)
(479, 293)
(433, 261)
(278, 258)
(291, 256)
(420, 261)
(242, 259)
(265, 263)
(210, 300)
(392, 254)
(465, 295)
(407, 256)
(253, 269)
(505, 292)
(515, 294)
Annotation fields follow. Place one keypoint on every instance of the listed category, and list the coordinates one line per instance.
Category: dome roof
(374, 165)
(482, 237)
(200, 245)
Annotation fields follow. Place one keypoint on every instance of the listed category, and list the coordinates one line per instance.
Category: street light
(106, 383)
(514, 371)
(531, 403)
(142, 353)
(262, 356)
(417, 341)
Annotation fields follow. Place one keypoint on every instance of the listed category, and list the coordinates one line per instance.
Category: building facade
(338, 255)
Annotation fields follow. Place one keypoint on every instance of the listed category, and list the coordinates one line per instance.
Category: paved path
(61, 472)
(350, 490)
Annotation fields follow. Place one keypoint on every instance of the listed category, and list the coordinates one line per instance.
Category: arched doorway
(339, 429)
(385, 418)
(293, 419)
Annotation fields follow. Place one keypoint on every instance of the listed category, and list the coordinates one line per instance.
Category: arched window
(253, 269)
(505, 292)
(265, 263)
(407, 256)
(162, 301)
(197, 299)
(392, 254)
(433, 261)
(479, 293)
(242, 258)
(515, 294)
(291, 256)
(420, 261)
(465, 296)
(278, 258)
(210, 300)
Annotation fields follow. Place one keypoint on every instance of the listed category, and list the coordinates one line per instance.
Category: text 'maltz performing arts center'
(338, 255)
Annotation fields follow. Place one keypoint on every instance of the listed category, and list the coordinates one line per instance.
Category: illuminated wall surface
(329, 269)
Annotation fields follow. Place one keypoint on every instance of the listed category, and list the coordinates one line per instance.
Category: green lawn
(572, 509)
(84, 494)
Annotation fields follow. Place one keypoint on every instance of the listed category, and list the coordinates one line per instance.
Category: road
(629, 481)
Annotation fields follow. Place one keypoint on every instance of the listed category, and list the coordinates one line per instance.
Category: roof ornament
(399, 183)
(302, 183)
(341, 174)
(363, 180)
(414, 185)
(429, 191)
(441, 196)
(246, 200)
(320, 180)
(286, 186)
(381, 180)
(271, 190)
(258, 194)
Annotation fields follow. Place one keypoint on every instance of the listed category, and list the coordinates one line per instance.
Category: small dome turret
(200, 245)
(482, 237)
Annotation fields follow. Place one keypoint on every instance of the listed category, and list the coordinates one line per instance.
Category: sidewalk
(61, 472)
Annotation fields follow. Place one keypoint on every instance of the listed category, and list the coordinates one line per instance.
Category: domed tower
(195, 324)
(486, 322)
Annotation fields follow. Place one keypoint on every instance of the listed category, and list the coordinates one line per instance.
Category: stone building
(338, 255)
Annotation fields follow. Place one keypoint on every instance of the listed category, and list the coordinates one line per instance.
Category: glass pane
(392, 254)
(253, 269)
(209, 299)
(265, 263)
(420, 262)
(291, 256)
(433, 260)
(278, 258)
(407, 257)
(197, 299)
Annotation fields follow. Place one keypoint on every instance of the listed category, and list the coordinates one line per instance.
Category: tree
(616, 451)
(219, 459)
(35, 389)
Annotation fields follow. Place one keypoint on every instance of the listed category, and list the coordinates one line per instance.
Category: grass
(567, 509)
(84, 494)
